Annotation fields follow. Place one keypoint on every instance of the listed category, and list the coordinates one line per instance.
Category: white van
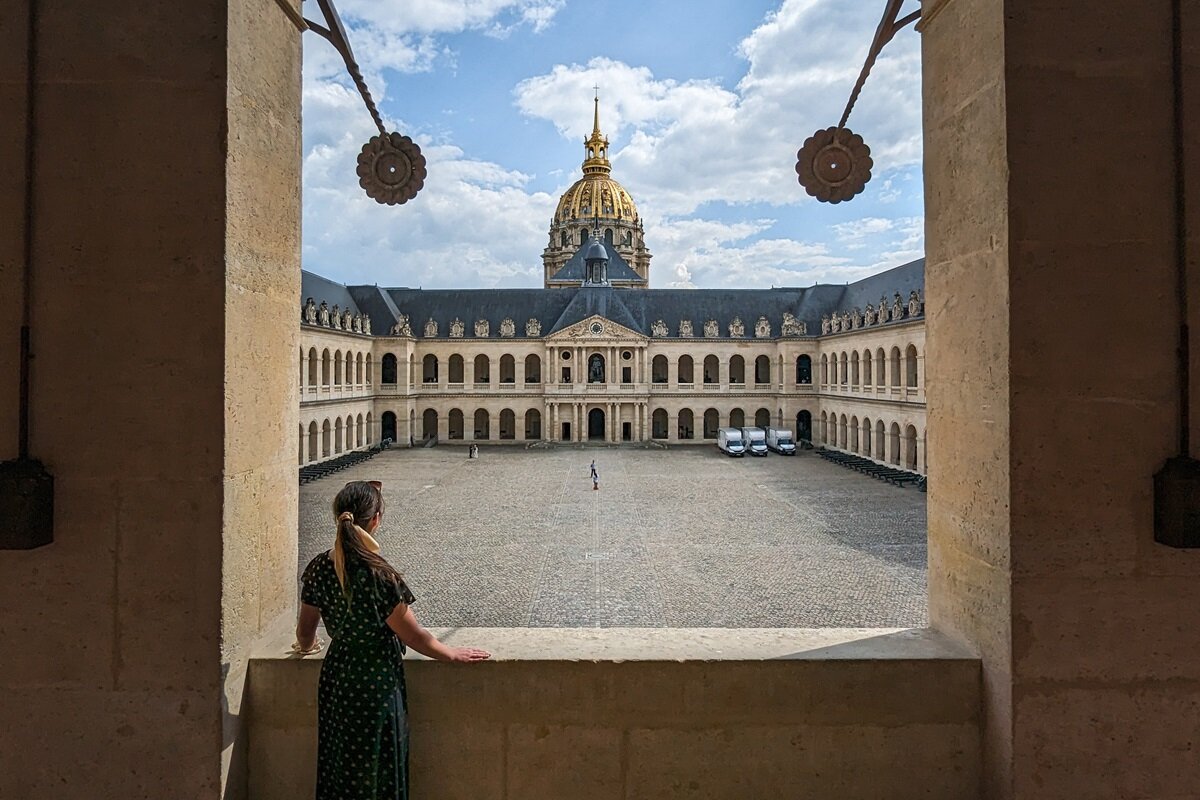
(756, 441)
(780, 440)
(729, 440)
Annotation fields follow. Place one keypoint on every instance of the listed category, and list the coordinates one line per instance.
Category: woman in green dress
(362, 710)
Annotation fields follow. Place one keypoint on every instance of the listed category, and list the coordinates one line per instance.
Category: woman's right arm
(405, 625)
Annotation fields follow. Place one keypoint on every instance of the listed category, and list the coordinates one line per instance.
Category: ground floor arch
(533, 424)
(389, 426)
(595, 423)
(804, 430)
(429, 423)
(658, 424)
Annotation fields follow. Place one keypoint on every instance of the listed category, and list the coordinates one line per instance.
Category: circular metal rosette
(391, 168)
(834, 165)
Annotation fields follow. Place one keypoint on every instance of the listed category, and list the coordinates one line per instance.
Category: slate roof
(618, 268)
(636, 309)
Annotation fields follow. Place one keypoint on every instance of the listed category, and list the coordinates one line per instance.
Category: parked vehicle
(729, 441)
(756, 441)
(780, 440)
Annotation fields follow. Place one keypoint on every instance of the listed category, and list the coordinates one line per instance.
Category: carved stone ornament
(835, 324)
(310, 311)
(897, 308)
(431, 328)
(883, 310)
(658, 329)
(790, 326)
(357, 323)
(402, 326)
(834, 164)
(533, 328)
(335, 318)
(856, 318)
(736, 328)
(391, 169)
(348, 320)
(826, 325)
(482, 328)
(869, 316)
(845, 320)
(762, 328)
(457, 328)
(323, 314)
(508, 328)
(685, 329)
(914, 304)
(711, 329)
(367, 324)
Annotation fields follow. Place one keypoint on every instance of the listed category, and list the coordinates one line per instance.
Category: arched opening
(854, 368)
(841, 432)
(894, 444)
(833, 370)
(712, 422)
(880, 367)
(337, 435)
(687, 424)
(880, 441)
(349, 433)
(762, 370)
(325, 367)
(483, 369)
(658, 372)
(326, 439)
(854, 434)
(455, 425)
(314, 367)
(596, 369)
(596, 424)
(804, 369)
(737, 418)
(358, 431)
(429, 423)
(824, 370)
(824, 428)
(910, 448)
(370, 429)
(762, 418)
(804, 426)
(533, 369)
(910, 366)
(349, 368)
(337, 368)
(429, 369)
(658, 422)
(312, 441)
(455, 369)
(533, 425)
(388, 369)
(712, 369)
(583, 235)
(508, 369)
(895, 366)
(686, 370)
(608, 236)
(483, 425)
(867, 380)
(389, 426)
(844, 369)
(866, 437)
(737, 370)
(508, 424)
(358, 368)
(564, 239)
(370, 374)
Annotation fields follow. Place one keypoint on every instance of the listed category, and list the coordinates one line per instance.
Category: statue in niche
(431, 328)
(533, 328)
(736, 328)
(367, 324)
(310, 311)
(914, 304)
(685, 329)
(457, 328)
(711, 330)
(508, 329)
(348, 320)
(323, 314)
(883, 310)
(856, 318)
(845, 320)
(596, 369)
(482, 328)
(869, 317)
(826, 325)
(402, 328)
(762, 328)
(357, 323)
(335, 318)
(897, 308)
(658, 329)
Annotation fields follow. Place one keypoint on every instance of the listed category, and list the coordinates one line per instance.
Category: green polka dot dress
(362, 709)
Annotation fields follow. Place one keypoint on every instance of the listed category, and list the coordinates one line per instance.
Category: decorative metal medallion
(834, 164)
(391, 169)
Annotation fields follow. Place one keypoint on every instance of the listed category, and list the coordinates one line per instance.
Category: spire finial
(596, 112)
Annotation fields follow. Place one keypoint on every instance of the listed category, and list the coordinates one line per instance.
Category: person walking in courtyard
(595, 477)
(362, 707)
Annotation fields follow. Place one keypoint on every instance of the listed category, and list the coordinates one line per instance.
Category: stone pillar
(672, 427)
(1042, 553)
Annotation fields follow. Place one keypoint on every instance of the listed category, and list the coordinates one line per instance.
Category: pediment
(586, 330)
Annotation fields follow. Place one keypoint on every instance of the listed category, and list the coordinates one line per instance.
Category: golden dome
(596, 194)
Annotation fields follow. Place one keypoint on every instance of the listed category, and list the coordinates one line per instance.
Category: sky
(705, 104)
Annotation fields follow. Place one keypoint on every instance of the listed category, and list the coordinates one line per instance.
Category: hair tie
(345, 516)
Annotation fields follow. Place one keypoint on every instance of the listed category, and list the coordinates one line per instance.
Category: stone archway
(595, 423)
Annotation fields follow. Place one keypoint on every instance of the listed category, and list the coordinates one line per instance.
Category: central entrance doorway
(595, 424)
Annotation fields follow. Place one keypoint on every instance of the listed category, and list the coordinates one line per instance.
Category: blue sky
(705, 104)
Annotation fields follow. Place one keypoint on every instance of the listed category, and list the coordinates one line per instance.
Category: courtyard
(685, 537)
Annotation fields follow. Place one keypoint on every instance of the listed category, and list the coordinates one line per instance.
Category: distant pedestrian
(595, 477)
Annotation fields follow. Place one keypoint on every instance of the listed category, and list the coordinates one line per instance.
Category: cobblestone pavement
(684, 537)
